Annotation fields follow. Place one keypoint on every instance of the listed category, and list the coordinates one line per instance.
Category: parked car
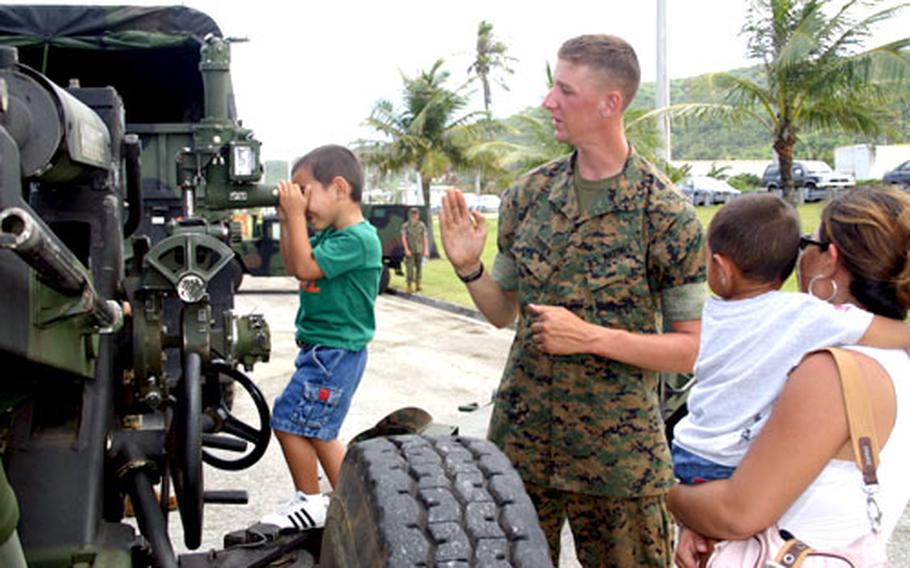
(704, 190)
(813, 179)
(899, 175)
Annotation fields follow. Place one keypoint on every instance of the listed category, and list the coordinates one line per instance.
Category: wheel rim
(233, 426)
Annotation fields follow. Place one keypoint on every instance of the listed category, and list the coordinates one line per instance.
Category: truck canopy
(149, 54)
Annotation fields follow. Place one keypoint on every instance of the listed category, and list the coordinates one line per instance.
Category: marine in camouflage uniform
(414, 238)
(582, 427)
(597, 251)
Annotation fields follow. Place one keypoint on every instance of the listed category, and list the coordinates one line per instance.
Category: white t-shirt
(748, 348)
(831, 512)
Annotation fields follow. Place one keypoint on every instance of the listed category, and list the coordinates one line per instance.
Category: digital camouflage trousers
(608, 531)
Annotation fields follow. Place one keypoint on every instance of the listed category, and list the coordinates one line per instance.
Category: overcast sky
(313, 70)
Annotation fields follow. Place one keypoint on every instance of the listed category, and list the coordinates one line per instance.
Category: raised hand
(463, 232)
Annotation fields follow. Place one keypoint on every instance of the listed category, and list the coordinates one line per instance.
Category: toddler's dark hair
(759, 233)
(330, 161)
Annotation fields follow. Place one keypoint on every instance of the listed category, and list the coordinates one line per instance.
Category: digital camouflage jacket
(583, 423)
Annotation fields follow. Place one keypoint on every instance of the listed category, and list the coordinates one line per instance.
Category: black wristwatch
(468, 278)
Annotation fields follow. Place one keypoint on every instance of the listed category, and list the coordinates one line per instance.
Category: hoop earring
(812, 282)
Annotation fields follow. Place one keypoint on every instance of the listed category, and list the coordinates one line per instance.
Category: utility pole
(662, 91)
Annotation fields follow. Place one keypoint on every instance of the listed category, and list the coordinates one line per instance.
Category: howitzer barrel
(55, 264)
(244, 196)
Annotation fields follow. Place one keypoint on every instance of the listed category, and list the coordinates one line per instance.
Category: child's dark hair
(331, 161)
(759, 233)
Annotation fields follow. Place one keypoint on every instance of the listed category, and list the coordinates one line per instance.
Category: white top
(748, 348)
(831, 512)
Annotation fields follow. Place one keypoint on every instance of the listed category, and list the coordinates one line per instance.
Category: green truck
(260, 253)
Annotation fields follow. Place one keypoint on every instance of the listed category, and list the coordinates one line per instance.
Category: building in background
(868, 161)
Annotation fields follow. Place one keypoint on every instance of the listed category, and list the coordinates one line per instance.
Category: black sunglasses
(806, 240)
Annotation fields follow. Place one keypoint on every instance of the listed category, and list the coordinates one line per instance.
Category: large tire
(421, 501)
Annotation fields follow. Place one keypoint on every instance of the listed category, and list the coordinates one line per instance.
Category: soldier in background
(596, 250)
(416, 244)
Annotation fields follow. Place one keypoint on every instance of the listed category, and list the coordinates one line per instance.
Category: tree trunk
(428, 213)
(783, 147)
(487, 96)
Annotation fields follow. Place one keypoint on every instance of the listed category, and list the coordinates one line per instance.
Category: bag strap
(865, 450)
(862, 429)
(859, 414)
(793, 553)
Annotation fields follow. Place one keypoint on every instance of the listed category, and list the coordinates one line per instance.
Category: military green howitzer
(118, 352)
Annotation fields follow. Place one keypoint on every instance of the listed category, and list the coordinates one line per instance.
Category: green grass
(439, 280)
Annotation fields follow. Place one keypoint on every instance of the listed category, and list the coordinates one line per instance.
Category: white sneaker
(301, 512)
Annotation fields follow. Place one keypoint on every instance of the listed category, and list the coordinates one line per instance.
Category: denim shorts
(691, 469)
(317, 399)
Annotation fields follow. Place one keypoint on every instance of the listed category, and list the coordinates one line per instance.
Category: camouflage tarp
(149, 54)
(104, 27)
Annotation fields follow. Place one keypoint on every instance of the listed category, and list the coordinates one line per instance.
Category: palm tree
(428, 134)
(491, 55)
(814, 75)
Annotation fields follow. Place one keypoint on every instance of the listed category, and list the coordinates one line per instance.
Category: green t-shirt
(589, 191)
(337, 310)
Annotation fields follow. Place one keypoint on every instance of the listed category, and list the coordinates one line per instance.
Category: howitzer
(118, 332)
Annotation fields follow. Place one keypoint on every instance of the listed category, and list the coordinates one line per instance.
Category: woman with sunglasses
(799, 470)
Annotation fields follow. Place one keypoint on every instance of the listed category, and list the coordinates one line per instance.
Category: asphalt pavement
(421, 356)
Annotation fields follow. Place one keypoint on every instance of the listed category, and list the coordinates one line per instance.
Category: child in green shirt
(339, 269)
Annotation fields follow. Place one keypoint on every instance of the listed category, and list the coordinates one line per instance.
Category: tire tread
(434, 502)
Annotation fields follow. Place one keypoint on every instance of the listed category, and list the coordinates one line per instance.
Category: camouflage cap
(413, 210)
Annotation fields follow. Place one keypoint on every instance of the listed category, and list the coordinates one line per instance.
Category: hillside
(711, 139)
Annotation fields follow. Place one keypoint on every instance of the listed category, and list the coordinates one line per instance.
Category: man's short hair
(609, 55)
(331, 161)
(759, 233)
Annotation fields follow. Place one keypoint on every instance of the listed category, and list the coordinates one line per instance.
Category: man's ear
(342, 187)
(611, 104)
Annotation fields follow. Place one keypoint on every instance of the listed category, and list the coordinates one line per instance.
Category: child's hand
(293, 200)
(691, 549)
